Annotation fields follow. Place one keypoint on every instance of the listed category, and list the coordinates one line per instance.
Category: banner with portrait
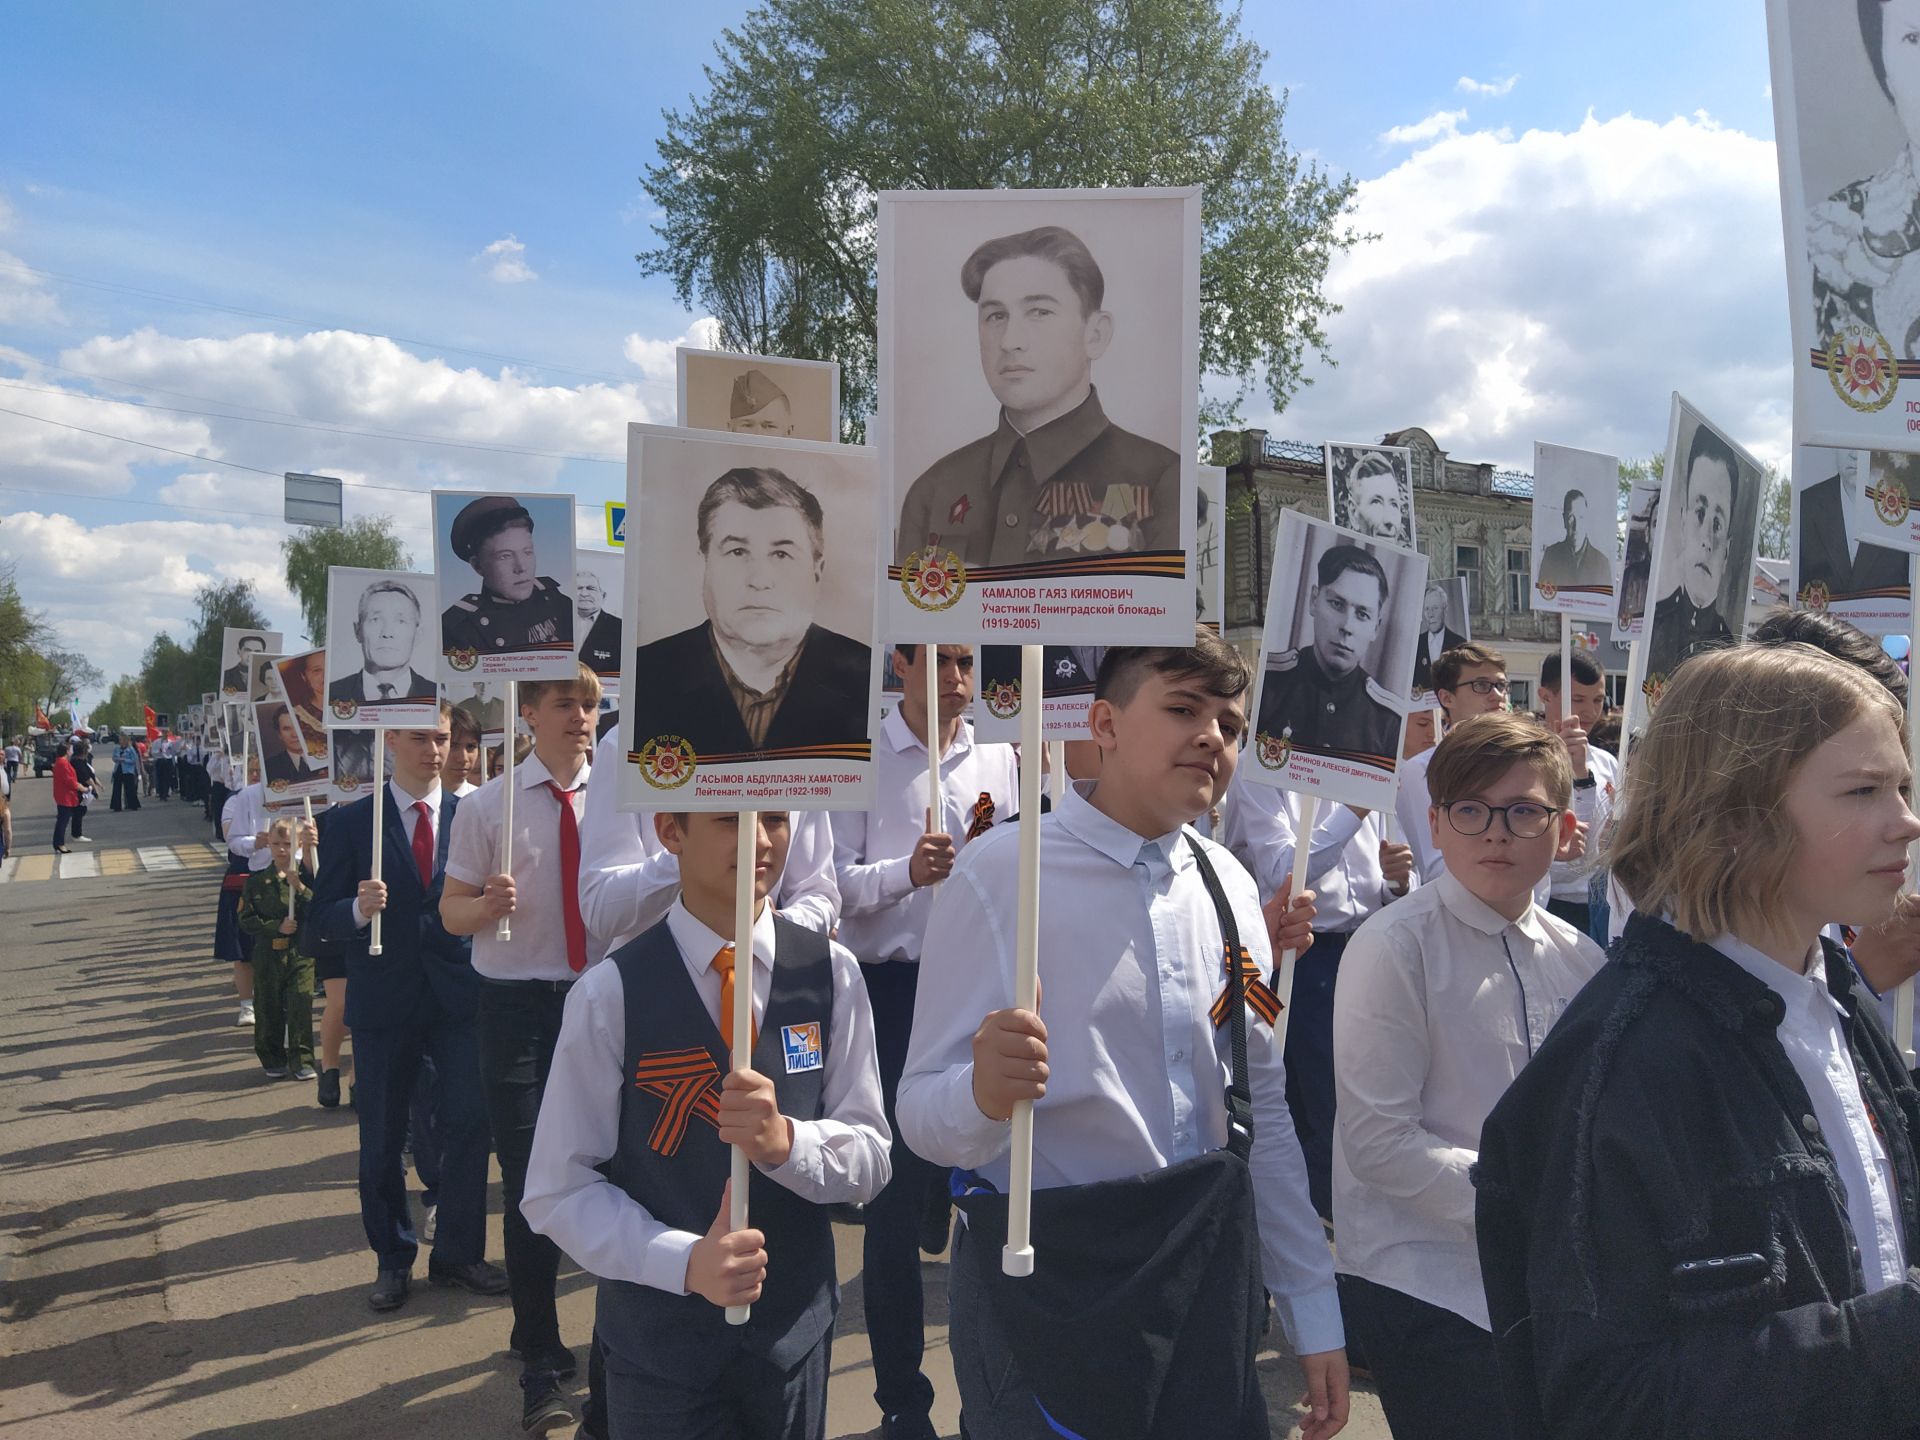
(1066, 690)
(1637, 541)
(1370, 491)
(770, 396)
(302, 682)
(506, 584)
(1575, 531)
(235, 647)
(1336, 663)
(752, 671)
(382, 649)
(1039, 359)
(1845, 561)
(1882, 508)
(1446, 620)
(285, 773)
(597, 583)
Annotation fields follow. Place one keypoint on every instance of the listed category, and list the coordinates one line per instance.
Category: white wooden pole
(1017, 1257)
(379, 823)
(1283, 980)
(1903, 996)
(746, 858)
(936, 801)
(1566, 665)
(1636, 676)
(306, 805)
(505, 931)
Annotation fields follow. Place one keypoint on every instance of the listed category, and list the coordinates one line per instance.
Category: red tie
(570, 880)
(423, 844)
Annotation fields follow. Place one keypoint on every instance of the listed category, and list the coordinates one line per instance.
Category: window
(1466, 566)
(1518, 563)
(1519, 695)
(1616, 689)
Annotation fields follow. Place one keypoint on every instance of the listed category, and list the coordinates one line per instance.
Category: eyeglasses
(1485, 687)
(1525, 821)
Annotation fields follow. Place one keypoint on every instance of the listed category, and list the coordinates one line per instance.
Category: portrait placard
(302, 680)
(1210, 547)
(1067, 678)
(1039, 355)
(1844, 560)
(235, 645)
(1703, 565)
(284, 771)
(1883, 510)
(1635, 568)
(512, 556)
(1844, 110)
(751, 668)
(597, 585)
(766, 395)
(1370, 491)
(1445, 621)
(351, 772)
(1575, 534)
(1336, 663)
(381, 649)
(483, 702)
(1769, 591)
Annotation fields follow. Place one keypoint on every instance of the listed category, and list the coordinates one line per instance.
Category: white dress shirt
(1811, 1035)
(845, 1156)
(1593, 805)
(1410, 806)
(1441, 1001)
(538, 949)
(629, 880)
(466, 788)
(883, 913)
(242, 819)
(1258, 824)
(410, 820)
(1132, 961)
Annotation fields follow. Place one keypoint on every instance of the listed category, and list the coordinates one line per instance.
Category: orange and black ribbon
(687, 1082)
(982, 820)
(1259, 994)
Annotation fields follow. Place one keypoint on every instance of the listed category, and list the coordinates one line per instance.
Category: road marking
(79, 865)
(118, 862)
(192, 857)
(35, 867)
(159, 857)
(7, 867)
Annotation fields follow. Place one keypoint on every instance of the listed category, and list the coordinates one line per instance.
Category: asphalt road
(180, 1244)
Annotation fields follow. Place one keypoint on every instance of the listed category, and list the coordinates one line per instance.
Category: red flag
(153, 725)
(40, 718)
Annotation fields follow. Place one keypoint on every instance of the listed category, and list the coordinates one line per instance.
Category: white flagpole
(936, 800)
(1283, 978)
(1017, 1257)
(1903, 996)
(505, 931)
(746, 856)
(379, 823)
(306, 805)
(1566, 665)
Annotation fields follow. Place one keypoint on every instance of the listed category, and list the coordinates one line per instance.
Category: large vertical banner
(1703, 564)
(1846, 102)
(765, 395)
(1039, 372)
(1575, 532)
(512, 556)
(754, 661)
(1845, 561)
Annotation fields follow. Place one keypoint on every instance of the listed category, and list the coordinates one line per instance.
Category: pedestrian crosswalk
(92, 864)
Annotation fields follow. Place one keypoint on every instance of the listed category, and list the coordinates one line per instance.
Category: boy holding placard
(1137, 918)
(630, 1158)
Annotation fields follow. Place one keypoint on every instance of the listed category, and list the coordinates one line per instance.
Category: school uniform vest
(671, 1160)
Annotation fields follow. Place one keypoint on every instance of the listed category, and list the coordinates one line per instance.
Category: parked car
(46, 749)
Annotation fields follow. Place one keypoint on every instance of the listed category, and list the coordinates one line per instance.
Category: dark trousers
(1436, 1371)
(750, 1401)
(1577, 913)
(386, 1061)
(125, 787)
(518, 1027)
(163, 777)
(890, 1261)
(216, 802)
(64, 816)
(1310, 1061)
(423, 1130)
(996, 1402)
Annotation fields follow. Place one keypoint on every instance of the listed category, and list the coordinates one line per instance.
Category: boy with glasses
(1468, 680)
(1442, 998)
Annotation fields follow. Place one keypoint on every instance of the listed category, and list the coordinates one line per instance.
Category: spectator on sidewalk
(89, 785)
(13, 761)
(66, 799)
(126, 777)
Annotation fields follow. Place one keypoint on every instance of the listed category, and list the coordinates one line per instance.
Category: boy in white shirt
(1596, 775)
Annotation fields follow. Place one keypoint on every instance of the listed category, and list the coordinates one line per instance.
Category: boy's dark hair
(1836, 637)
(1210, 662)
(466, 730)
(1479, 751)
(1446, 670)
(1606, 735)
(1586, 671)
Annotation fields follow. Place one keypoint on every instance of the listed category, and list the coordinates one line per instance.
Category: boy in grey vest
(630, 1156)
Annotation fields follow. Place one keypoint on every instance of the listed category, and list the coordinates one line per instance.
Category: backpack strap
(1239, 1094)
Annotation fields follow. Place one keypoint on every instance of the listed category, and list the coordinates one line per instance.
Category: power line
(166, 298)
(149, 504)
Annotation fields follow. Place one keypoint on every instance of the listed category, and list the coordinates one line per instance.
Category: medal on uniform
(1095, 535)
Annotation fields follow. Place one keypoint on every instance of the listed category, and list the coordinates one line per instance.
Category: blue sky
(348, 166)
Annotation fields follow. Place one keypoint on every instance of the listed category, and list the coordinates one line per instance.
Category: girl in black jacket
(1696, 1207)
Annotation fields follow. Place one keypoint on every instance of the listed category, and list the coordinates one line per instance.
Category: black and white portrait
(235, 647)
(596, 621)
(1837, 565)
(380, 648)
(1846, 98)
(1343, 614)
(1575, 530)
(1370, 491)
(1637, 541)
(765, 395)
(1038, 352)
(1703, 567)
(1445, 622)
(753, 653)
(484, 703)
(352, 756)
(512, 556)
(284, 768)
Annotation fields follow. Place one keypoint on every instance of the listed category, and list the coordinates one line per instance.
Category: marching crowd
(1527, 1186)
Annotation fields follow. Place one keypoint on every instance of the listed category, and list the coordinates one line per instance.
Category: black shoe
(544, 1408)
(936, 1226)
(329, 1088)
(559, 1362)
(390, 1290)
(847, 1212)
(908, 1426)
(477, 1276)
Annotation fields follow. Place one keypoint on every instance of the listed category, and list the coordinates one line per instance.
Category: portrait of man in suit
(1056, 478)
(1688, 618)
(1574, 559)
(234, 680)
(760, 674)
(598, 627)
(280, 743)
(1436, 636)
(385, 624)
(1832, 556)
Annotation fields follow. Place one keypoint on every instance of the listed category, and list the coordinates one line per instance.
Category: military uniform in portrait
(1325, 714)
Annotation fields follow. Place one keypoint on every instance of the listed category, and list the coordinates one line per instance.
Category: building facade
(1472, 520)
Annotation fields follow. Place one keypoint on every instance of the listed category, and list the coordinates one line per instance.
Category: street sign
(314, 500)
(616, 524)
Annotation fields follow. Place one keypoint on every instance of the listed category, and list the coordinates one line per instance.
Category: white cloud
(654, 358)
(1492, 89)
(1557, 286)
(506, 261)
(1441, 125)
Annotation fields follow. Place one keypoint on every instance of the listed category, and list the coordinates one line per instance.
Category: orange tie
(723, 967)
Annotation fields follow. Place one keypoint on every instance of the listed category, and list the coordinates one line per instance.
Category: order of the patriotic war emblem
(345, 709)
(933, 579)
(1861, 366)
(1814, 595)
(463, 657)
(1890, 501)
(1273, 751)
(1003, 698)
(666, 762)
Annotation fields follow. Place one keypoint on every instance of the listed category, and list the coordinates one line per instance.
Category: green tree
(766, 183)
(23, 635)
(125, 704)
(63, 675)
(1776, 511)
(167, 675)
(222, 605)
(366, 543)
